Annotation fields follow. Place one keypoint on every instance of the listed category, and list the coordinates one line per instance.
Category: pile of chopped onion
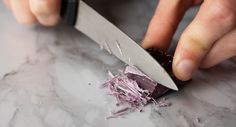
(128, 93)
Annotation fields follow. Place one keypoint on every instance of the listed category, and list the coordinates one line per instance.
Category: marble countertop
(45, 77)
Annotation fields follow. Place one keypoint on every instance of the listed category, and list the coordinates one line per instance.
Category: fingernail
(185, 69)
(145, 44)
(48, 20)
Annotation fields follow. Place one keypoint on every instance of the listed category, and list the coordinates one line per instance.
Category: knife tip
(172, 86)
(175, 88)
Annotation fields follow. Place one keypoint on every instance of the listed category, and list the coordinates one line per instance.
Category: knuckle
(195, 42)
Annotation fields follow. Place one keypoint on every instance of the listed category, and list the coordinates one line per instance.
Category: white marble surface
(45, 72)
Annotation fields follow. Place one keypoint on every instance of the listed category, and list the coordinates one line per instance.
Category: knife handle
(69, 10)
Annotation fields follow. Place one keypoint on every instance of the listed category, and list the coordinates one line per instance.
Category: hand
(208, 40)
(46, 12)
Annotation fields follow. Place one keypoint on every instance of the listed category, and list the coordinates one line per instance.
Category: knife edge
(119, 44)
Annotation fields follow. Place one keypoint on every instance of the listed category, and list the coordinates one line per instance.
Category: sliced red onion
(132, 88)
(134, 70)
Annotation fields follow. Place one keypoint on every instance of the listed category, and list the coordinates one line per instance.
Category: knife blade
(116, 42)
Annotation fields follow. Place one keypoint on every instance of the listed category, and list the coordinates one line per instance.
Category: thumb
(210, 24)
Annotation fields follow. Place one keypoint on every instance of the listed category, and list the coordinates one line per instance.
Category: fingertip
(145, 45)
(25, 18)
(156, 39)
(22, 12)
(199, 37)
(184, 69)
(44, 7)
(151, 44)
(50, 20)
(187, 57)
(46, 12)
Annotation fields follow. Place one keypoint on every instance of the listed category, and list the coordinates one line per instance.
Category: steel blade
(119, 44)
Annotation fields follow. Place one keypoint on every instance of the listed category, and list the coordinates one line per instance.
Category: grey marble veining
(50, 77)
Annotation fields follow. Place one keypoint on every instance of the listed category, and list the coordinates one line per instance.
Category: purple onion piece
(166, 62)
(134, 88)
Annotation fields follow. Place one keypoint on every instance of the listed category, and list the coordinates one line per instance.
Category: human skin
(208, 40)
(45, 12)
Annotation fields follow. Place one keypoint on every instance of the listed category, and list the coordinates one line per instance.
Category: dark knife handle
(69, 10)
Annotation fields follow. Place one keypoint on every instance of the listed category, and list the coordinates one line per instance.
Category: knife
(85, 19)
